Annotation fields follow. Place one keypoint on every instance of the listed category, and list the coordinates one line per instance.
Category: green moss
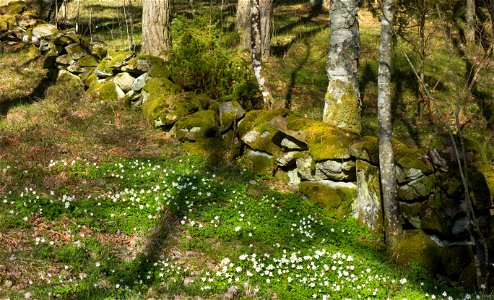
(197, 126)
(87, 61)
(118, 59)
(159, 71)
(415, 245)
(333, 199)
(258, 162)
(7, 22)
(16, 7)
(407, 157)
(366, 148)
(324, 141)
(104, 66)
(160, 86)
(258, 120)
(417, 189)
(105, 91)
(344, 111)
(33, 52)
(165, 110)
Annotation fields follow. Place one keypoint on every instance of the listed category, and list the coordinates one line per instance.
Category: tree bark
(266, 8)
(392, 225)
(45, 9)
(156, 19)
(256, 52)
(491, 12)
(243, 23)
(470, 19)
(342, 106)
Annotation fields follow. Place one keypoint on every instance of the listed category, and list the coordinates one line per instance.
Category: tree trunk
(266, 8)
(45, 9)
(392, 226)
(243, 23)
(256, 52)
(342, 101)
(470, 19)
(491, 12)
(156, 19)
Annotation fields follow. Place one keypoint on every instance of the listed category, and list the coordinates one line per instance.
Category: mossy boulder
(254, 130)
(366, 148)
(118, 60)
(482, 187)
(197, 126)
(15, 7)
(7, 22)
(145, 63)
(324, 141)
(76, 51)
(66, 38)
(164, 110)
(230, 113)
(258, 162)
(105, 91)
(160, 86)
(410, 162)
(87, 61)
(28, 21)
(103, 69)
(334, 197)
(124, 80)
(415, 245)
(98, 50)
(369, 211)
(417, 190)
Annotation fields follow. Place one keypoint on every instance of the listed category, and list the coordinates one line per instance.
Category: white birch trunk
(342, 106)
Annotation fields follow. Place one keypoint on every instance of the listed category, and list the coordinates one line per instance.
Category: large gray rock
(75, 51)
(336, 170)
(418, 189)
(230, 112)
(64, 59)
(139, 82)
(124, 81)
(369, 210)
(43, 31)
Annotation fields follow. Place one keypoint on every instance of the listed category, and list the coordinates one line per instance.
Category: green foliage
(201, 62)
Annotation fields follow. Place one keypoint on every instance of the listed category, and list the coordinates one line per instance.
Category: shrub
(202, 60)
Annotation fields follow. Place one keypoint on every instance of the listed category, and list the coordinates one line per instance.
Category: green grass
(194, 232)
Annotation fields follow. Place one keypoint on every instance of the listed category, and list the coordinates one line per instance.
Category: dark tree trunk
(392, 225)
(45, 9)
(156, 19)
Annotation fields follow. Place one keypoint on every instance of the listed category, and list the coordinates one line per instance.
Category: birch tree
(156, 19)
(470, 20)
(342, 106)
(392, 226)
(243, 24)
(256, 52)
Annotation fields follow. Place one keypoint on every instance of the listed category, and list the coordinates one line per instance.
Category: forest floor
(97, 204)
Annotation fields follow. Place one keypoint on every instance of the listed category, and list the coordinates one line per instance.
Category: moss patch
(197, 126)
(344, 111)
(415, 245)
(334, 198)
(366, 148)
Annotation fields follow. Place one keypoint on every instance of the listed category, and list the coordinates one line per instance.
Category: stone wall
(337, 169)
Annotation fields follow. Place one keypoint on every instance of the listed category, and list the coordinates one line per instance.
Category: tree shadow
(39, 90)
(294, 73)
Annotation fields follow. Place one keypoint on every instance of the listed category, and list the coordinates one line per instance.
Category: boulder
(286, 159)
(335, 170)
(65, 60)
(323, 141)
(87, 61)
(75, 51)
(166, 109)
(369, 211)
(117, 60)
(14, 8)
(139, 82)
(334, 197)
(415, 245)
(103, 69)
(106, 90)
(290, 139)
(64, 77)
(98, 50)
(366, 148)
(7, 22)
(305, 166)
(418, 189)
(124, 81)
(144, 63)
(197, 126)
(258, 161)
(27, 20)
(230, 113)
(43, 31)
(66, 38)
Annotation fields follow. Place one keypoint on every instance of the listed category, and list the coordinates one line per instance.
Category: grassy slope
(95, 203)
